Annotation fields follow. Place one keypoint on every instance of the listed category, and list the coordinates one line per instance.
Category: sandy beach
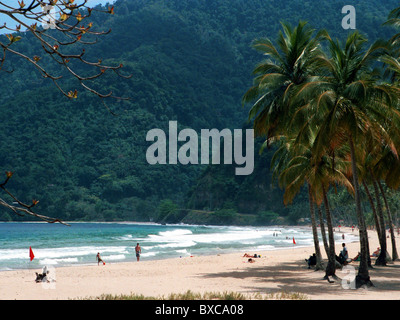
(276, 271)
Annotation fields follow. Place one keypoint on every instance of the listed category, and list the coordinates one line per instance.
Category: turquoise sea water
(58, 245)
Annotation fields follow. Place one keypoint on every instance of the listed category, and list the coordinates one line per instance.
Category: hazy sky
(10, 22)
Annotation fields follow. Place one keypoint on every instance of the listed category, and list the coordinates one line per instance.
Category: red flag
(294, 241)
(31, 255)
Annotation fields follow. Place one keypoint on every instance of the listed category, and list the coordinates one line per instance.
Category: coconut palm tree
(299, 89)
(394, 20)
(347, 100)
(391, 161)
(391, 165)
(300, 169)
(286, 65)
(386, 169)
(280, 163)
(368, 157)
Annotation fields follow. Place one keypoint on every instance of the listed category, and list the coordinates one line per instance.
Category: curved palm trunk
(331, 267)
(377, 226)
(323, 233)
(371, 201)
(362, 277)
(395, 255)
(381, 260)
(319, 264)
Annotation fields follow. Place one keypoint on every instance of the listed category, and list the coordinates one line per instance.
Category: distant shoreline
(166, 224)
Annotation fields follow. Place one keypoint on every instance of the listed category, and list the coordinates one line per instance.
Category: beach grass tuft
(189, 295)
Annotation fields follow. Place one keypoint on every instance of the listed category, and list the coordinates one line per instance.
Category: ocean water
(58, 245)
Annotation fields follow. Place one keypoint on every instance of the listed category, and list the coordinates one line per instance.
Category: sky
(10, 22)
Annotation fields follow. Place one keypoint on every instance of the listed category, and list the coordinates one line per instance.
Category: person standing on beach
(99, 259)
(343, 255)
(344, 252)
(138, 251)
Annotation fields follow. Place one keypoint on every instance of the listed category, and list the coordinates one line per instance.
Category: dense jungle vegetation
(191, 61)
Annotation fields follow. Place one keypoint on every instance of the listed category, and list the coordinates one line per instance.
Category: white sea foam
(59, 254)
(174, 233)
(232, 236)
(169, 236)
(8, 254)
(114, 257)
(187, 236)
(47, 261)
(150, 254)
(182, 251)
(127, 237)
(265, 247)
(183, 244)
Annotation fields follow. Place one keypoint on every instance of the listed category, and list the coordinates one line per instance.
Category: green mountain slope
(190, 61)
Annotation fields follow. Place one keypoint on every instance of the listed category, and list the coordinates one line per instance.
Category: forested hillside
(191, 61)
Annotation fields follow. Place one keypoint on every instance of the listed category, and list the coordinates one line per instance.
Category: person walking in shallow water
(138, 251)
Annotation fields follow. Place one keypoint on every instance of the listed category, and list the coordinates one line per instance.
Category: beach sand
(275, 272)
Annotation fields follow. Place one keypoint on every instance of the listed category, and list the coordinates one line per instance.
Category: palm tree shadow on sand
(295, 277)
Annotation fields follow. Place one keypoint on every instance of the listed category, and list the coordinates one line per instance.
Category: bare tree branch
(54, 35)
(20, 208)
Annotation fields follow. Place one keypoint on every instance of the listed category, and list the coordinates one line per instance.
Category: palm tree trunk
(367, 244)
(319, 264)
(363, 272)
(323, 233)
(331, 267)
(395, 255)
(381, 260)
(371, 201)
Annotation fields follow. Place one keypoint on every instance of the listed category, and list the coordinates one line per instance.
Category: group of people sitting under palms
(343, 257)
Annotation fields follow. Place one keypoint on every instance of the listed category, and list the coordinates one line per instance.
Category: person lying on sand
(377, 252)
(251, 256)
(43, 277)
(356, 258)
